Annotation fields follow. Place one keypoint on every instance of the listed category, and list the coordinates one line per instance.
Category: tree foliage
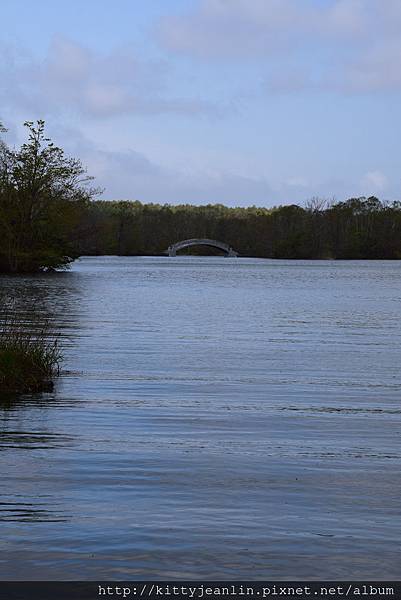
(42, 196)
(357, 228)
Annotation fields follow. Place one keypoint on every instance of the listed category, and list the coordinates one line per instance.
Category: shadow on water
(40, 297)
(40, 302)
(26, 428)
(34, 440)
(14, 401)
(25, 512)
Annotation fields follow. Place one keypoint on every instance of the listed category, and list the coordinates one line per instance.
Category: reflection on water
(28, 513)
(216, 418)
(32, 440)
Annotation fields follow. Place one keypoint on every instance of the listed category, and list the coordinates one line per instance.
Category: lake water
(216, 418)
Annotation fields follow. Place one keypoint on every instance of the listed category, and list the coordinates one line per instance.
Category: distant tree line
(356, 229)
(48, 217)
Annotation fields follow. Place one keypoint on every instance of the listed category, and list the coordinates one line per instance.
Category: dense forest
(357, 228)
(49, 216)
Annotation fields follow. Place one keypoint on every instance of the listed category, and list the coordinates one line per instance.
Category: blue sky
(235, 101)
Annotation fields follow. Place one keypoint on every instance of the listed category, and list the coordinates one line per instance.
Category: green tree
(42, 195)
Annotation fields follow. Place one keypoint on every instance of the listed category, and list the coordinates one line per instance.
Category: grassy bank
(29, 359)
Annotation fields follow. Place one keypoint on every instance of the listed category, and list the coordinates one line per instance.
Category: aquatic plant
(29, 356)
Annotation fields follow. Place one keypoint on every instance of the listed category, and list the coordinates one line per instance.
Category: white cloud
(378, 69)
(375, 181)
(130, 174)
(240, 28)
(347, 46)
(74, 79)
(298, 182)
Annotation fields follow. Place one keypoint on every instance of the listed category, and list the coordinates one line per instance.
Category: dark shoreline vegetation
(360, 228)
(49, 217)
(29, 357)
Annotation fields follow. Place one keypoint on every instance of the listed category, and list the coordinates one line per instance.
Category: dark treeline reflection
(357, 228)
(37, 314)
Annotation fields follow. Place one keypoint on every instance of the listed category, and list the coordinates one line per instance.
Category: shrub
(29, 358)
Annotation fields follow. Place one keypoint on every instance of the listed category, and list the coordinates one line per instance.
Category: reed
(29, 356)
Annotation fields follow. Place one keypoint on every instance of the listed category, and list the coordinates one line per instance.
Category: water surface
(216, 418)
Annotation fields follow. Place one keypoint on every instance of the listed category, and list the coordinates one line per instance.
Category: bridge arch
(174, 248)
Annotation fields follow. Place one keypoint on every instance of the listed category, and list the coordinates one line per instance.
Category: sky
(239, 102)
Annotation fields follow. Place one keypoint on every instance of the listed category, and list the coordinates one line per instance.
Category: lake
(216, 418)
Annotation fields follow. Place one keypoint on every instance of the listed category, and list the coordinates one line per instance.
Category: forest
(355, 229)
(49, 215)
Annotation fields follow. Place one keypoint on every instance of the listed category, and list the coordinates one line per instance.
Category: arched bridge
(174, 248)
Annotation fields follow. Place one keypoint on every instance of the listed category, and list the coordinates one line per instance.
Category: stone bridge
(174, 248)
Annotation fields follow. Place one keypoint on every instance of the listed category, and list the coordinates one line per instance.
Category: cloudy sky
(234, 101)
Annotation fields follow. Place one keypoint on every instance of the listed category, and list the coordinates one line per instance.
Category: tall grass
(29, 357)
